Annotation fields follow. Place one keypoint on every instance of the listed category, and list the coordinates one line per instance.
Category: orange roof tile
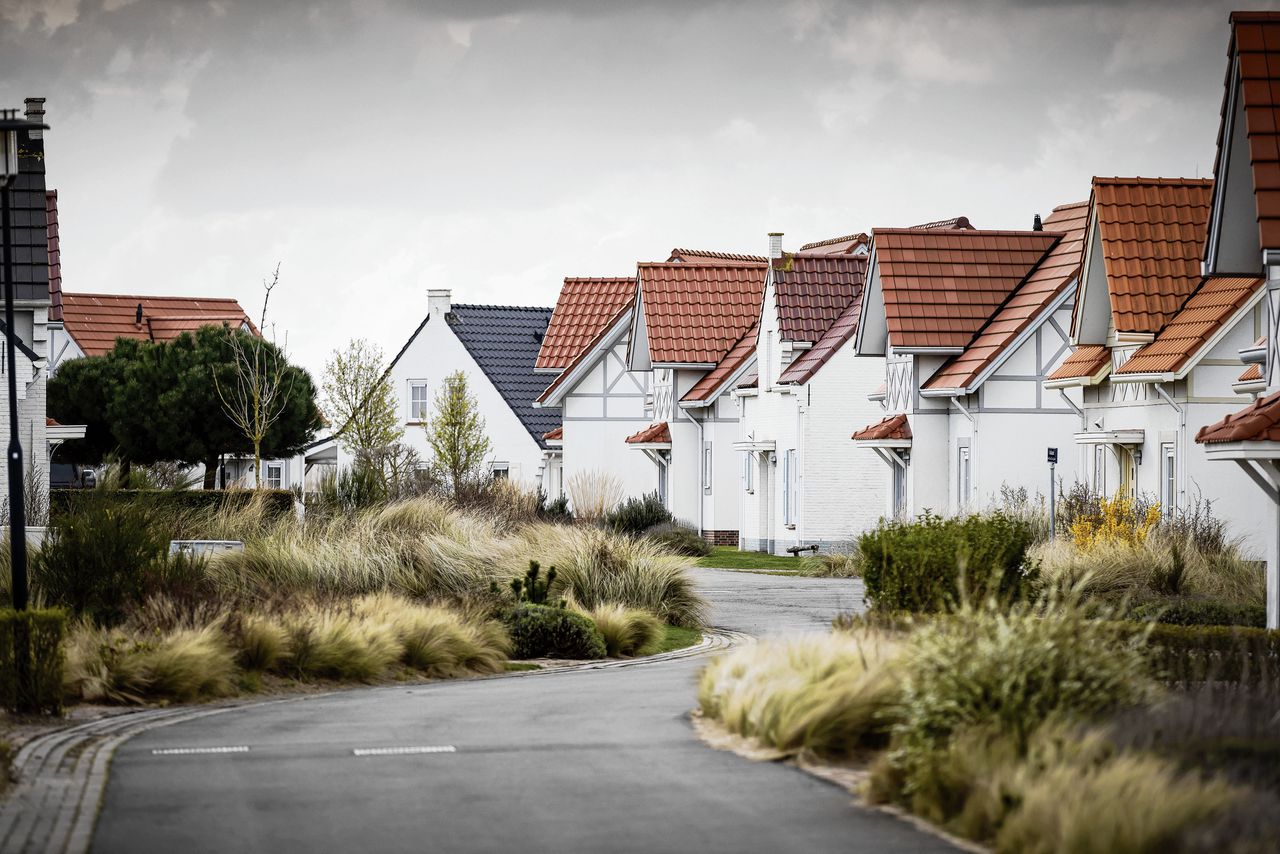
(1045, 284)
(960, 223)
(553, 435)
(837, 335)
(838, 245)
(811, 291)
(584, 307)
(1085, 363)
(1253, 373)
(1153, 232)
(701, 256)
(1213, 304)
(582, 355)
(940, 286)
(55, 254)
(695, 313)
(95, 321)
(742, 353)
(1257, 422)
(1255, 36)
(892, 427)
(654, 434)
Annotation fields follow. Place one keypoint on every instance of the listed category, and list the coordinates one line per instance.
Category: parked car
(71, 476)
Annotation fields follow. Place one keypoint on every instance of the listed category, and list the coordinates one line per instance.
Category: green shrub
(679, 539)
(1186, 654)
(540, 631)
(1012, 670)
(1188, 611)
(31, 660)
(96, 557)
(531, 589)
(172, 502)
(637, 515)
(626, 631)
(922, 565)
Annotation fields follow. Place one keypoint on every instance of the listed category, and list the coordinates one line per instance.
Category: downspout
(1179, 457)
(973, 452)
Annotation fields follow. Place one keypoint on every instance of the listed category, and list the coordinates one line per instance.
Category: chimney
(775, 244)
(35, 113)
(439, 301)
(1037, 224)
(137, 315)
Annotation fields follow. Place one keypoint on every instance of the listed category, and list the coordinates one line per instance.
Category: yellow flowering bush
(1119, 521)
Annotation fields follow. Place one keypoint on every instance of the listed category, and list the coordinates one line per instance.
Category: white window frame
(278, 477)
(1100, 469)
(789, 487)
(748, 473)
(1169, 478)
(416, 416)
(708, 473)
(964, 476)
(500, 470)
(899, 489)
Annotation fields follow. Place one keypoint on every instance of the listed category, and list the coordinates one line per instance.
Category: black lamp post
(10, 126)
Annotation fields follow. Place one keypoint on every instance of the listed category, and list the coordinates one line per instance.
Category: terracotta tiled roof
(700, 256)
(892, 427)
(838, 245)
(1253, 373)
(1256, 36)
(751, 380)
(960, 223)
(837, 335)
(1152, 232)
(654, 434)
(695, 313)
(1257, 422)
(554, 435)
(49, 422)
(95, 321)
(583, 354)
(1083, 364)
(881, 392)
(1213, 304)
(941, 286)
(55, 255)
(584, 307)
(1045, 284)
(741, 353)
(813, 290)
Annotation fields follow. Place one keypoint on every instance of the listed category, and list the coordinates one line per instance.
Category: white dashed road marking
(404, 751)
(187, 751)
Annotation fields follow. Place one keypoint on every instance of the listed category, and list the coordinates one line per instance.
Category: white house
(598, 401)
(1158, 347)
(969, 323)
(495, 347)
(802, 481)
(694, 331)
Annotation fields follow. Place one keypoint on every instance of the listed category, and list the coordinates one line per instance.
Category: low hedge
(278, 501)
(546, 631)
(31, 660)
(1213, 653)
(1186, 611)
(917, 566)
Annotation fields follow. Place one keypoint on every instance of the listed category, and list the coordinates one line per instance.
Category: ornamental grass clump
(824, 694)
(627, 632)
(125, 665)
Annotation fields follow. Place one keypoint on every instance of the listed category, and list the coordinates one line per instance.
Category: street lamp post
(10, 126)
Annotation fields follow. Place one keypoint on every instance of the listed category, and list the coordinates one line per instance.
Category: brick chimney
(35, 113)
(439, 301)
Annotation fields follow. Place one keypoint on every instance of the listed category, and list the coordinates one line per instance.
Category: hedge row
(1214, 653)
(277, 501)
(31, 660)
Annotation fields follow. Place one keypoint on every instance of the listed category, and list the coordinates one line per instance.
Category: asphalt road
(587, 761)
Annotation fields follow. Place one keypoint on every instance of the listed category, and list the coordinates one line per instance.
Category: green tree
(456, 433)
(359, 400)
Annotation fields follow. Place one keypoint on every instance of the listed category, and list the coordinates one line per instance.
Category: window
(899, 489)
(789, 487)
(963, 477)
(662, 482)
(748, 474)
(275, 475)
(1100, 469)
(1168, 479)
(418, 402)
(706, 467)
(500, 471)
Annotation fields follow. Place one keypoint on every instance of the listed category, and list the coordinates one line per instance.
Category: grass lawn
(675, 638)
(728, 557)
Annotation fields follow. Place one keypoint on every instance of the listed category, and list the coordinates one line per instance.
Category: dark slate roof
(504, 340)
(29, 221)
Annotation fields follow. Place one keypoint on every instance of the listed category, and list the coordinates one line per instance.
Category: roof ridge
(147, 296)
(686, 264)
(830, 240)
(1253, 17)
(1070, 205)
(970, 233)
(711, 253)
(503, 307)
(1117, 179)
(594, 279)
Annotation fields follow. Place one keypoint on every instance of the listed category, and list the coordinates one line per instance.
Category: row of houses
(793, 398)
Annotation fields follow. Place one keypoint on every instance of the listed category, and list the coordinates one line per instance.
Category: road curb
(62, 775)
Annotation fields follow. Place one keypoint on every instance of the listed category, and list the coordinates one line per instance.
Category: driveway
(576, 761)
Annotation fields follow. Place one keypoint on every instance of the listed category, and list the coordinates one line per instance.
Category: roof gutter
(945, 392)
(1154, 379)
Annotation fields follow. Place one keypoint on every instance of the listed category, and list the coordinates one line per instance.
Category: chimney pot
(35, 113)
(1037, 224)
(439, 301)
(775, 244)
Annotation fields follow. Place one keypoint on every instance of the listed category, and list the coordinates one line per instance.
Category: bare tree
(259, 393)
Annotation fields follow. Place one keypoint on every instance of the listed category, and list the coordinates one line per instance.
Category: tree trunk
(211, 473)
(257, 465)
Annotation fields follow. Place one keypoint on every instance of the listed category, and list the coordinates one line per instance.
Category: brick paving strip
(62, 775)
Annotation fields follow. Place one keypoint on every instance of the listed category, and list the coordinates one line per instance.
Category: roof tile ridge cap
(1157, 181)
(1071, 205)
(970, 233)
(503, 307)
(148, 296)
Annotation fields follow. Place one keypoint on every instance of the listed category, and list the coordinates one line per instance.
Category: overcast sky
(378, 148)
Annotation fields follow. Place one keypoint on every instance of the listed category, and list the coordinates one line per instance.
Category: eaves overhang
(883, 443)
(1166, 377)
(1257, 450)
(764, 445)
(945, 392)
(926, 351)
(1111, 437)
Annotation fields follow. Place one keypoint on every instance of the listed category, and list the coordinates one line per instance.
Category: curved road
(575, 761)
